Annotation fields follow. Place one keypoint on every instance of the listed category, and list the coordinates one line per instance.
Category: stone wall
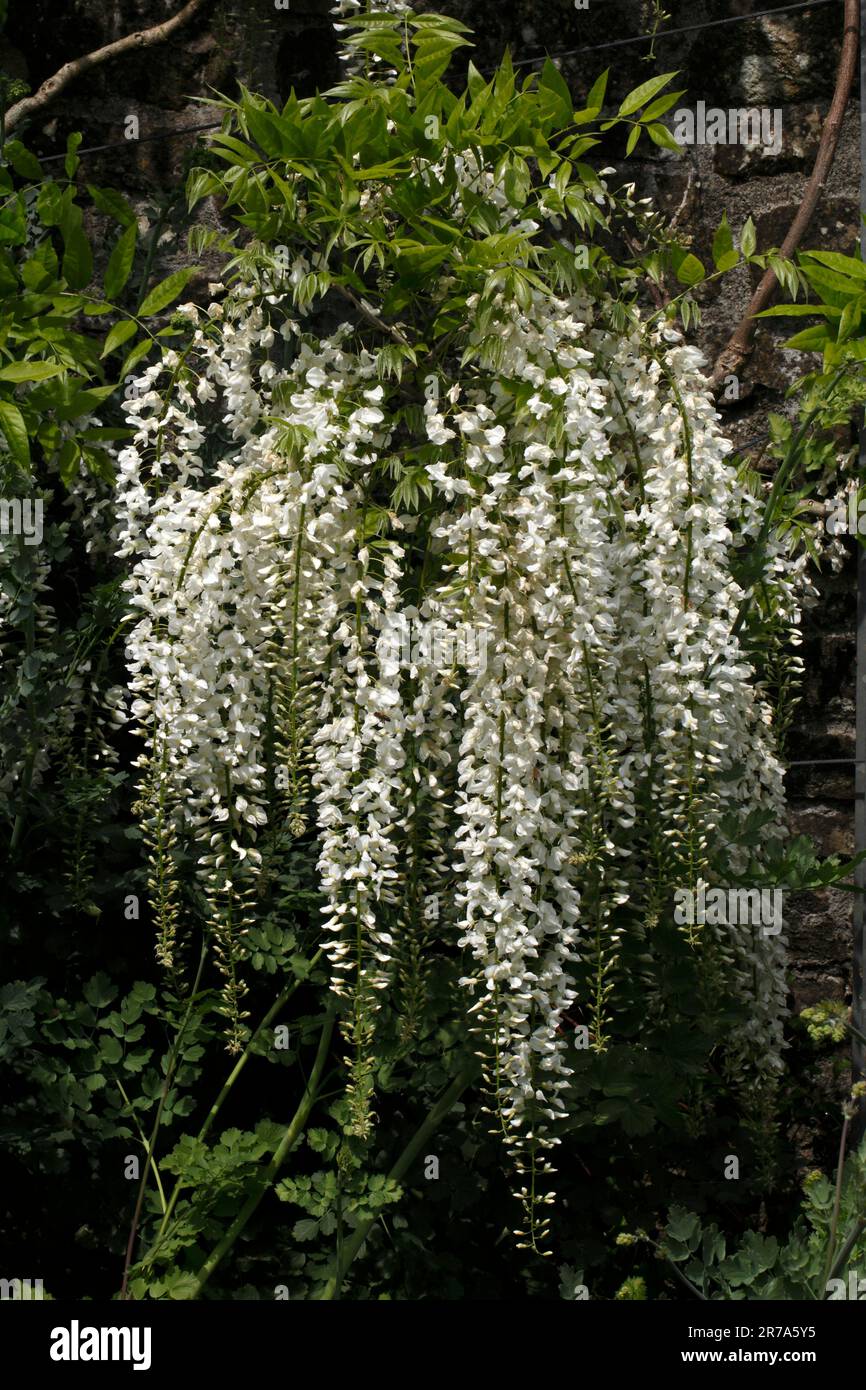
(785, 62)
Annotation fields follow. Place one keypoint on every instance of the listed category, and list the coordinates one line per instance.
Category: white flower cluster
(586, 516)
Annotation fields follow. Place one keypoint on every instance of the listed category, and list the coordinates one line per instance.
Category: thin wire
(521, 62)
(670, 33)
(139, 140)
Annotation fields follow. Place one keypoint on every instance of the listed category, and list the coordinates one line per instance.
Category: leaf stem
(287, 1143)
(166, 1086)
(229, 1082)
(431, 1123)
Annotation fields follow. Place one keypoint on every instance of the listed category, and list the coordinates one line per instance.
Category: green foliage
(81, 1057)
(810, 1262)
(62, 376)
(46, 267)
(339, 177)
(827, 1021)
(50, 305)
(838, 283)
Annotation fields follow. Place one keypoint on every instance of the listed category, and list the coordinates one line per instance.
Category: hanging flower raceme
(545, 764)
(468, 618)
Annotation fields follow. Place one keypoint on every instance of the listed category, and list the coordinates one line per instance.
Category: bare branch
(389, 329)
(739, 345)
(144, 38)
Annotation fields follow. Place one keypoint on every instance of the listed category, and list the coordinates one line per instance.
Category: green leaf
(8, 277)
(22, 161)
(236, 152)
(683, 1226)
(119, 334)
(181, 1285)
(787, 275)
(830, 285)
(594, 101)
(84, 401)
(552, 80)
(162, 294)
(474, 80)
(77, 256)
(71, 162)
(690, 270)
(120, 262)
(200, 183)
(67, 461)
(644, 93)
(113, 204)
(660, 106)
(31, 371)
(810, 340)
(846, 265)
(783, 311)
(660, 135)
(748, 239)
(597, 91)
(723, 243)
(13, 225)
(850, 319)
(15, 431)
(110, 1049)
(99, 991)
(140, 350)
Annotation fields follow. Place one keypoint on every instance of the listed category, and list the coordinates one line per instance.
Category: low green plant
(820, 1257)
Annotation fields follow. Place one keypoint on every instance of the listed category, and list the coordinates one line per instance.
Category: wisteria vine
(582, 514)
